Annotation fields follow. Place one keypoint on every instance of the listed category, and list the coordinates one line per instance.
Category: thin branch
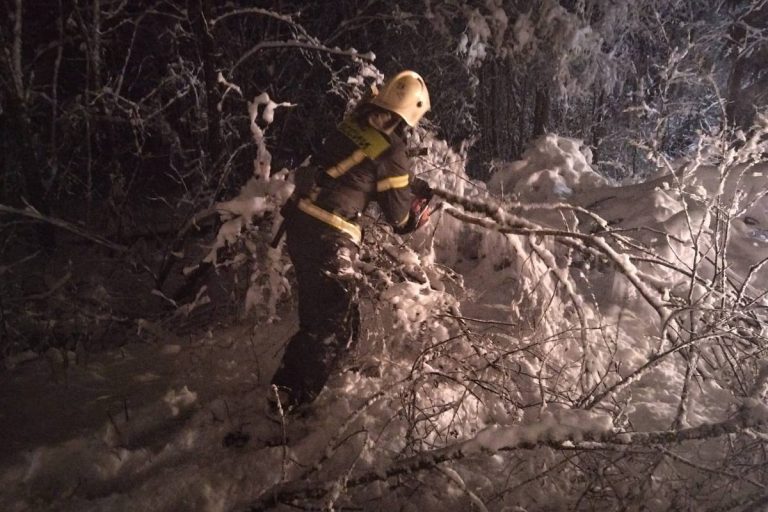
(255, 10)
(302, 45)
(36, 215)
(705, 469)
(429, 460)
(521, 226)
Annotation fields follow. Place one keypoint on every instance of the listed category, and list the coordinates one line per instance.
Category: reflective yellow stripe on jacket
(342, 167)
(393, 182)
(331, 219)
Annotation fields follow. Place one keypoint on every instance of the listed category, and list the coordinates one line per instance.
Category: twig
(475, 320)
(44, 295)
(255, 10)
(705, 469)
(454, 477)
(298, 44)
(34, 214)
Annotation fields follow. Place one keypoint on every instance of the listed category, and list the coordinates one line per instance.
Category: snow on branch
(266, 45)
(510, 223)
(591, 429)
(255, 10)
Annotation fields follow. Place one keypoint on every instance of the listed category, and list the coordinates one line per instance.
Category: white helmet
(406, 95)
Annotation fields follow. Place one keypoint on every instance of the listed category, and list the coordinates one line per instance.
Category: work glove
(419, 213)
(420, 210)
(421, 189)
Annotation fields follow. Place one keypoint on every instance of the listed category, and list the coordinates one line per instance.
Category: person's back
(384, 179)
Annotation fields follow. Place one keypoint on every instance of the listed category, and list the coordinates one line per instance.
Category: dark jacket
(356, 166)
(385, 179)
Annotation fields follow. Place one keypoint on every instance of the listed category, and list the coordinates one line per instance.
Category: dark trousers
(329, 318)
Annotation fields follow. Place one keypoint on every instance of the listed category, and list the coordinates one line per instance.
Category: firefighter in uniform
(364, 160)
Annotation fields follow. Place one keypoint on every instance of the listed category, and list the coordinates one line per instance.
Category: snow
(473, 42)
(524, 31)
(554, 168)
(552, 424)
(178, 400)
(490, 341)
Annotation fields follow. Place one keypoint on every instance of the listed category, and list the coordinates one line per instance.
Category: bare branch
(301, 45)
(34, 214)
(256, 10)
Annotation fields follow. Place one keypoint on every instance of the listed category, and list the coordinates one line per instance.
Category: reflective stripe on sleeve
(331, 219)
(391, 183)
(342, 167)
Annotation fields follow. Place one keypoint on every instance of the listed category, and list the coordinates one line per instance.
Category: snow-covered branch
(267, 45)
(510, 223)
(531, 437)
(255, 10)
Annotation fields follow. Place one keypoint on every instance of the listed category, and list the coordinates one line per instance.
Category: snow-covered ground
(483, 349)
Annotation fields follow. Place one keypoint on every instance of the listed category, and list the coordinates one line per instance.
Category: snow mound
(553, 168)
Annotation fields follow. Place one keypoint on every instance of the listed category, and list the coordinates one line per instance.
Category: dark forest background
(122, 123)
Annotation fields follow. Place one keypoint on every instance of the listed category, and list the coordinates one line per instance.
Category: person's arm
(404, 206)
(418, 213)
(393, 193)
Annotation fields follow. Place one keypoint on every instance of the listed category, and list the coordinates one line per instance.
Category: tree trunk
(597, 129)
(541, 112)
(732, 105)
